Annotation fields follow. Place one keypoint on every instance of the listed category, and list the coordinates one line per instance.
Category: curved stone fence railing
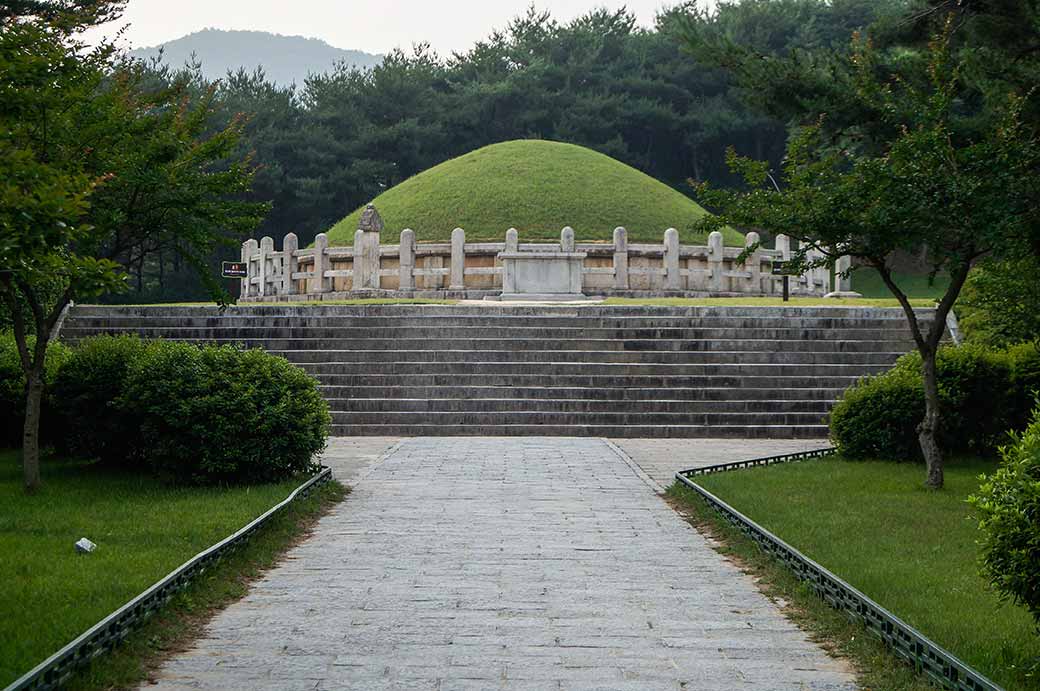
(474, 269)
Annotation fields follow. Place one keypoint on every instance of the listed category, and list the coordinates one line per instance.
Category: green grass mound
(537, 187)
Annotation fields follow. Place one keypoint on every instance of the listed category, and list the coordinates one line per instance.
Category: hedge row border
(110, 631)
(926, 657)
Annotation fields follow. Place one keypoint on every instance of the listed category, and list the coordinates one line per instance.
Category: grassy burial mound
(537, 187)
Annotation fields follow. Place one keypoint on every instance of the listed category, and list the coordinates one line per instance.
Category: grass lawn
(766, 302)
(537, 187)
(301, 303)
(143, 530)
(910, 549)
(867, 282)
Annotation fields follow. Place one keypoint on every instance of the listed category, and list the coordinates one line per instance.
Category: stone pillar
(249, 248)
(753, 264)
(370, 225)
(715, 251)
(671, 260)
(407, 281)
(567, 239)
(620, 258)
(266, 248)
(290, 263)
(458, 260)
(320, 284)
(842, 277)
(508, 275)
(360, 280)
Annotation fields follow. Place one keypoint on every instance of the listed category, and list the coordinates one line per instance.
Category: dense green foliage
(143, 527)
(12, 387)
(536, 187)
(1008, 507)
(914, 552)
(216, 414)
(1000, 303)
(85, 394)
(985, 393)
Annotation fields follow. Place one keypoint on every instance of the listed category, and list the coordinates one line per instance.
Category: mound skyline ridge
(537, 187)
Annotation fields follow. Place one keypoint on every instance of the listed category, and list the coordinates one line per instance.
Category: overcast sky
(374, 26)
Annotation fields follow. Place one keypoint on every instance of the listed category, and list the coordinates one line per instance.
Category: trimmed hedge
(85, 393)
(217, 414)
(1008, 507)
(12, 390)
(982, 393)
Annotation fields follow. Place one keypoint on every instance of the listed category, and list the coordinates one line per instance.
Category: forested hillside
(285, 60)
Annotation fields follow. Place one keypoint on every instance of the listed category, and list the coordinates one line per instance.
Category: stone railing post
(620, 258)
(266, 248)
(715, 251)
(249, 248)
(753, 264)
(458, 260)
(842, 277)
(407, 281)
(320, 284)
(567, 239)
(672, 280)
(290, 263)
(508, 277)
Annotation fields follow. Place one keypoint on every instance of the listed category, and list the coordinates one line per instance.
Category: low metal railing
(925, 656)
(110, 631)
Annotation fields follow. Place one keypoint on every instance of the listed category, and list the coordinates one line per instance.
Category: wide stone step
(612, 369)
(579, 356)
(507, 333)
(601, 393)
(582, 430)
(577, 380)
(475, 321)
(492, 310)
(542, 417)
(417, 405)
(640, 345)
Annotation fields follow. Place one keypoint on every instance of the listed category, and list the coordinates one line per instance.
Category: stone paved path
(661, 459)
(517, 563)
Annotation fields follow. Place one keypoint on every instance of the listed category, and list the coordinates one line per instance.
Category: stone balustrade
(460, 269)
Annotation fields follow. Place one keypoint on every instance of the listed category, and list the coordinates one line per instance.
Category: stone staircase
(610, 371)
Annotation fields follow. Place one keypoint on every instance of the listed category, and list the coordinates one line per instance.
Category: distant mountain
(285, 59)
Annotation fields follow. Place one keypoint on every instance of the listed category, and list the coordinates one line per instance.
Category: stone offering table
(544, 274)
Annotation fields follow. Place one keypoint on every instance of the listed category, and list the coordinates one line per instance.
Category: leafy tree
(924, 184)
(97, 172)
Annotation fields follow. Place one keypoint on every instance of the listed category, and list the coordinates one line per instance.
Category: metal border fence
(110, 631)
(925, 656)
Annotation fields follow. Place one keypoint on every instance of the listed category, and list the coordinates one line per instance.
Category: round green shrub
(1008, 507)
(1025, 378)
(217, 414)
(84, 396)
(12, 389)
(878, 416)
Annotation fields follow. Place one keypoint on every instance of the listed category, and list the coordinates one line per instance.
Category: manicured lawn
(765, 302)
(867, 282)
(912, 550)
(50, 594)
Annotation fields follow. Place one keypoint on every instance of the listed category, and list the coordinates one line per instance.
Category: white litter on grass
(85, 546)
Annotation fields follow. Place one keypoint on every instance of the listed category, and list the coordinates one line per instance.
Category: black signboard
(234, 270)
(784, 268)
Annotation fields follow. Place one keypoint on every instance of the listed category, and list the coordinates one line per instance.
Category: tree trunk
(928, 430)
(31, 431)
